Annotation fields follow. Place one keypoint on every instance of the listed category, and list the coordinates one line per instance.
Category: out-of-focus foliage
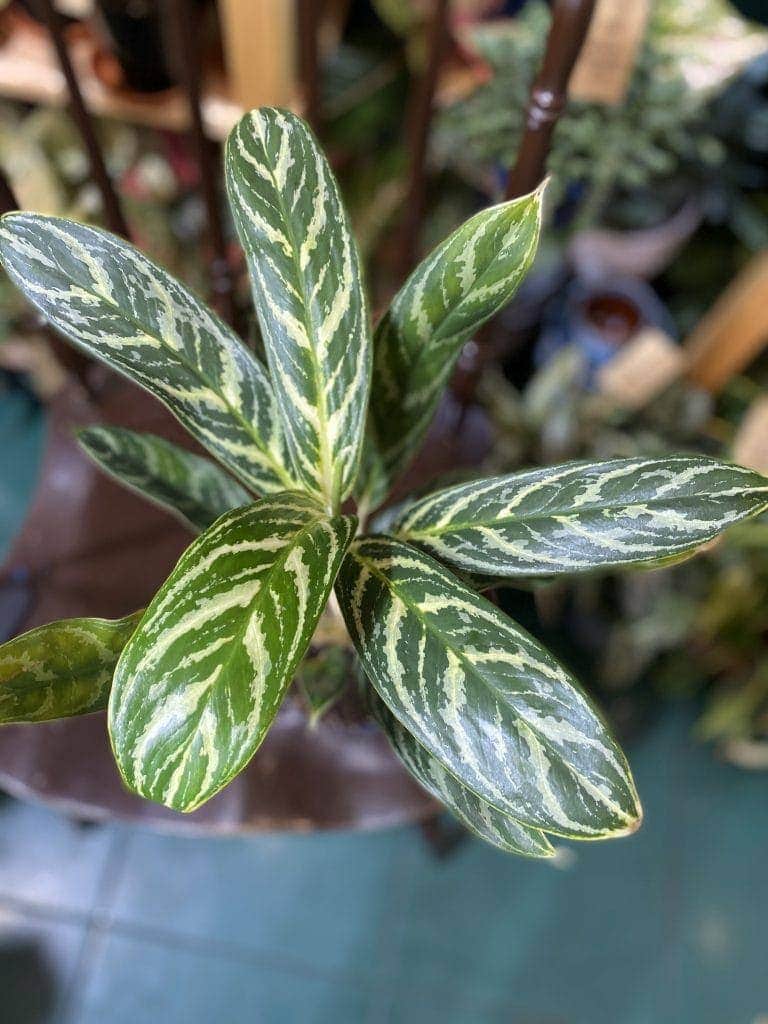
(632, 164)
(698, 627)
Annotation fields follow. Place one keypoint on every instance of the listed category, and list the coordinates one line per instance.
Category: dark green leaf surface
(482, 696)
(109, 299)
(579, 517)
(193, 488)
(479, 817)
(462, 283)
(201, 680)
(323, 678)
(62, 669)
(307, 291)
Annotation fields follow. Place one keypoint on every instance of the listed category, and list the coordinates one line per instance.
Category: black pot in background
(140, 42)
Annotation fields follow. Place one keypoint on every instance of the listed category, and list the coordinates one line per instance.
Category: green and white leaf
(111, 301)
(308, 294)
(482, 696)
(201, 680)
(461, 284)
(62, 669)
(579, 516)
(194, 489)
(477, 815)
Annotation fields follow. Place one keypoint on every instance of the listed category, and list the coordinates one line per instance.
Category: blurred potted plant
(628, 168)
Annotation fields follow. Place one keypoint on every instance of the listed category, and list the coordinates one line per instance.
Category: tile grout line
(391, 933)
(98, 924)
(235, 952)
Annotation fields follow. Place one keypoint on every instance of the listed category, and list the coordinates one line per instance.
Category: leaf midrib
(233, 648)
(454, 527)
(439, 334)
(265, 580)
(326, 462)
(196, 371)
(465, 660)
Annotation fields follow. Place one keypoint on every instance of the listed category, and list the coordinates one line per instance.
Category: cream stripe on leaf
(477, 815)
(461, 284)
(202, 678)
(109, 299)
(62, 669)
(308, 295)
(482, 696)
(194, 489)
(579, 517)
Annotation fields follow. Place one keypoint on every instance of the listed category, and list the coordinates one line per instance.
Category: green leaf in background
(460, 285)
(323, 679)
(201, 680)
(307, 291)
(579, 516)
(193, 488)
(479, 817)
(109, 299)
(62, 669)
(482, 696)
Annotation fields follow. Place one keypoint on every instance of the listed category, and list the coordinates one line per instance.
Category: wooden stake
(259, 48)
(734, 331)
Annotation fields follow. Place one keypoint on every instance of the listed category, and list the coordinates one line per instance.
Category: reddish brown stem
(570, 22)
(84, 122)
(419, 123)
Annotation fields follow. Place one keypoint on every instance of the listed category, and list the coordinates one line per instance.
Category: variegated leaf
(477, 815)
(201, 680)
(307, 291)
(109, 299)
(462, 283)
(193, 488)
(482, 696)
(62, 669)
(579, 516)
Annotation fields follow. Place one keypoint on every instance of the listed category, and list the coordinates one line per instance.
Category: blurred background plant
(696, 628)
(630, 165)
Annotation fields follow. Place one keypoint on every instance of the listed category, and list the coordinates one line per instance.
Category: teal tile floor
(111, 925)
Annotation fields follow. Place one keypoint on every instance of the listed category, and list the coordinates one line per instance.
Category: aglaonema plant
(475, 708)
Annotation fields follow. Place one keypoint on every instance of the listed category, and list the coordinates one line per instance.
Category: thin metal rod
(309, 18)
(70, 358)
(419, 124)
(185, 21)
(570, 22)
(112, 209)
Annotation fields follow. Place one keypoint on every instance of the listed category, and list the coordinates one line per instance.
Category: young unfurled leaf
(307, 291)
(62, 669)
(201, 680)
(579, 517)
(192, 488)
(109, 299)
(482, 696)
(479, 817)
(467, 279)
